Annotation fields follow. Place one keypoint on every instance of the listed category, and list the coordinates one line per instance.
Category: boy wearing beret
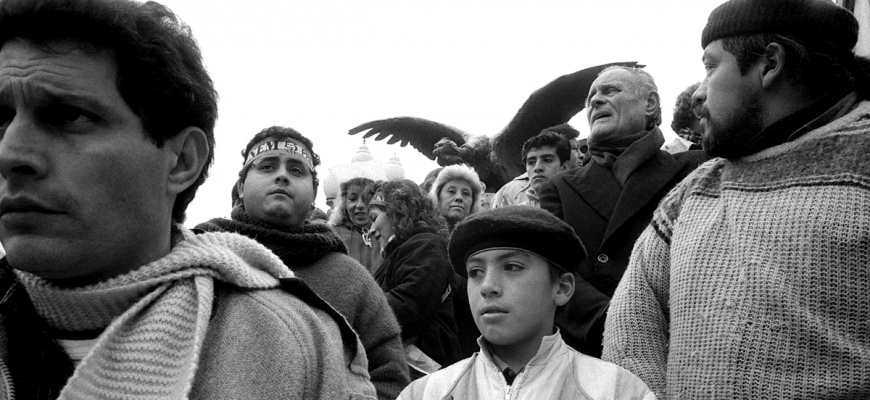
(519, 262)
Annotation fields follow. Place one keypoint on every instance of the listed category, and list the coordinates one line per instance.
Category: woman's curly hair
(409, 210)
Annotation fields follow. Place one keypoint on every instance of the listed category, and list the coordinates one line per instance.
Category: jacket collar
(598, 187)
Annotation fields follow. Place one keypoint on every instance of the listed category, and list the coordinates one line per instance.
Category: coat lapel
(640, 189)
(597, 187)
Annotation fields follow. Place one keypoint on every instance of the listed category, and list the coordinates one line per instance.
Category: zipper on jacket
(7, 381)
(507, 392)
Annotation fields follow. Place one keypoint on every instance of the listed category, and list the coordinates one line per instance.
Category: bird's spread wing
(554, 104)
(421, 133)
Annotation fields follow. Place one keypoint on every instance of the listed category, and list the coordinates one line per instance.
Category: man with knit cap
(519, 262)
(752, 279)
(277, 186)
(610, 200)
(108, 130)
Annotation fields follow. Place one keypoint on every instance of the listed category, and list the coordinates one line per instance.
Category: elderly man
(610, 200)
(515, 191)
(751, 280)
(277, 186)
(108, 117)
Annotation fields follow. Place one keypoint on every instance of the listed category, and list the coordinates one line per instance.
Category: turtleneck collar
(297, 247)
(818, 113)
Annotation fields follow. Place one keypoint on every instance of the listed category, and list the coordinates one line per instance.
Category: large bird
(496, 160)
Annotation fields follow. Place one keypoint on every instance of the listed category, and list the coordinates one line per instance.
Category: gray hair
(644, 85)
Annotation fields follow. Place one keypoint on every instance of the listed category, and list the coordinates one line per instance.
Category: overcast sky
(323, 67)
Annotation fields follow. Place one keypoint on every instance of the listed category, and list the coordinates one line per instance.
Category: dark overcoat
(608, 218)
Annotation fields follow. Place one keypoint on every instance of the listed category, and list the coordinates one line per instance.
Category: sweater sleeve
(637, 330)
(380, 334)
(421, 275)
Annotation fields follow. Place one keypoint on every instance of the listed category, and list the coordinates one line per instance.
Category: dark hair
(566, 131)
(429, 180)
(279, 133)
(160, 72)
(548, 138)
(817, 67)
(408, 209)
(684, 114)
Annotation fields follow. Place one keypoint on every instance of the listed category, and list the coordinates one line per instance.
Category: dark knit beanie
(522, 227)
(815, 19)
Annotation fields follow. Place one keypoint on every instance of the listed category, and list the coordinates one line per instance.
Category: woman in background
(351, 222)
(416, 275)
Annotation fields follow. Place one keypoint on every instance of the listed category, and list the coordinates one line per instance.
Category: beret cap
(817, 19)
(522, 227)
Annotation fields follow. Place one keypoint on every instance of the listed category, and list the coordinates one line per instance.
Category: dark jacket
(583, 198)
(416, 276)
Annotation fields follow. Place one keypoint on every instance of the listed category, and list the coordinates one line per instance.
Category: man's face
(279, 189)
(576, 154)
(455, 200)
(356, 207)
(615, 108)
(730, 103)
(84, 193)
(512, 298)
(542, 163)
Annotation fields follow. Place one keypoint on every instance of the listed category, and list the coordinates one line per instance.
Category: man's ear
(189, 151)
(240, 186)
(565, 289)
(652, 104)
(564, 165)
(773, 64)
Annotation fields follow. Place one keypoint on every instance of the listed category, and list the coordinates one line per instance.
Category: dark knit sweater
(315, 254)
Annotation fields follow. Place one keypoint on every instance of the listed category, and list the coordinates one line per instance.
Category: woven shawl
(155, 317)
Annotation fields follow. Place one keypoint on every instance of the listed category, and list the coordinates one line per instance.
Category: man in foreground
(107, 131)
(751, 280)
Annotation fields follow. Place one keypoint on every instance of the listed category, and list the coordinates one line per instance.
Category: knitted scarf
(622, 155)
(606, 151)
(297, 247)
(155, 317)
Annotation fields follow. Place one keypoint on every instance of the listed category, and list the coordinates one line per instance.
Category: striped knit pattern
(151, 348)
(753, 280)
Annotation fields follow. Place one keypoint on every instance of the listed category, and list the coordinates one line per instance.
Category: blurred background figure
(416, 275)
(351, 222)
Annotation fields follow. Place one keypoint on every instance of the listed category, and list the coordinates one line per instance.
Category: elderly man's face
(84, 193)
(615, 108)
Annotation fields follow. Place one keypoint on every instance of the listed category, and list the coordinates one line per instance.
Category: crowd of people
(733, 267)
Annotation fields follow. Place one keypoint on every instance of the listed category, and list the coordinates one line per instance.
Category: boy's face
(542, 163)
(513, 299)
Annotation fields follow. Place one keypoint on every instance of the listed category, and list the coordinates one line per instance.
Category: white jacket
(556, 372)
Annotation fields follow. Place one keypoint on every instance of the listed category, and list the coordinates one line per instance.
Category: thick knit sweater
(171, 329)
(317, 256)
(753, 279)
